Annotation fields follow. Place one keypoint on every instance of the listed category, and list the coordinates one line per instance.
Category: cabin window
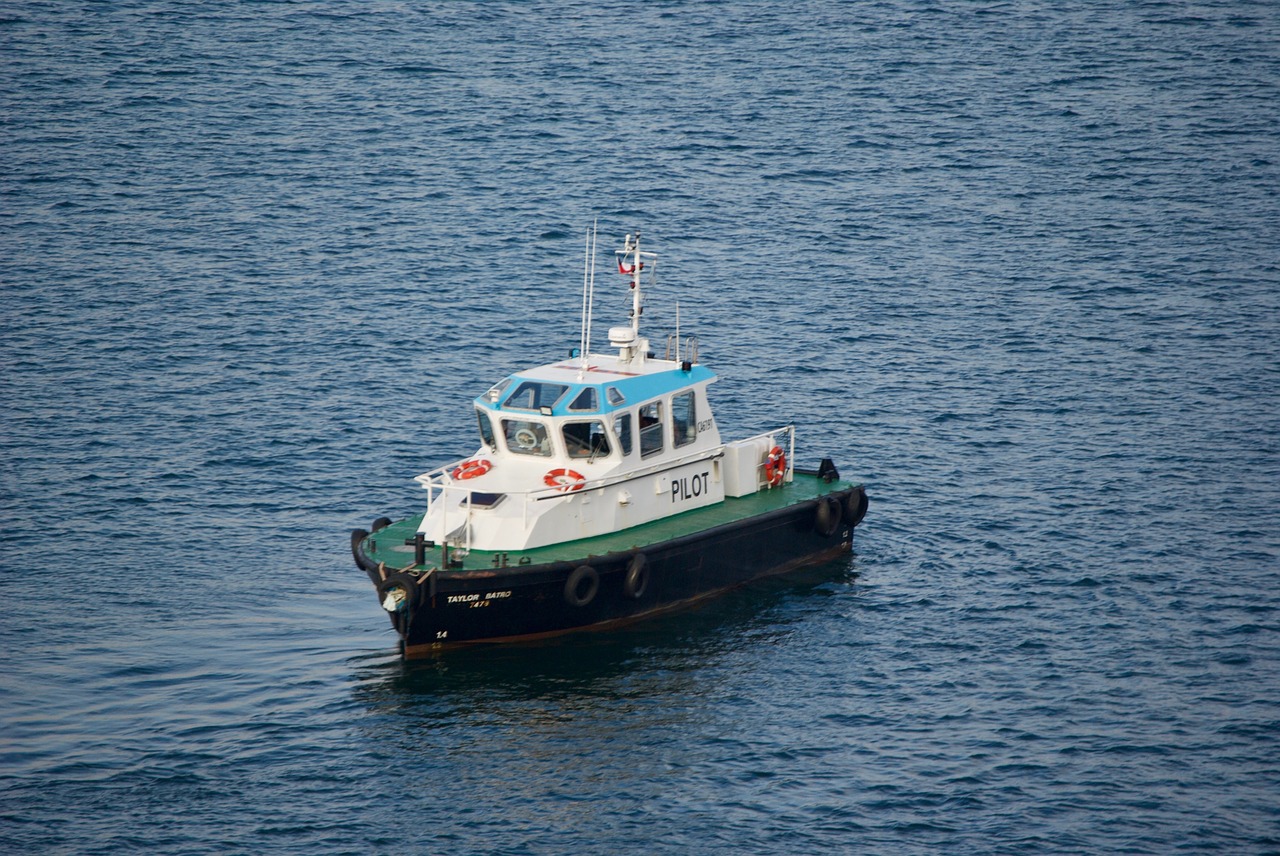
(622, 427)
(588, 400)
(535, 395)
(526, 438)
(495, 391)
(615, 397)
(586, 439)
(684, 421)
(486, 429)
(650, 428)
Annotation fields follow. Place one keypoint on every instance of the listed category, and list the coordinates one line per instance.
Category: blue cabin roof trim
(635, 390)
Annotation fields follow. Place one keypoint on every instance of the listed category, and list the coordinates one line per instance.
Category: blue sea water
(1014, 265)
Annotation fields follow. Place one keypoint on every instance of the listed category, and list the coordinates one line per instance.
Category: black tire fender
(404, 582)
(574, 591)
(855, 506)
(357, 535)
(827, 519)
(380, 523)
(637, 579)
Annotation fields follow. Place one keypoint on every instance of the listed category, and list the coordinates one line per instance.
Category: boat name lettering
(690, 487)
(704, 425)
(477, 600)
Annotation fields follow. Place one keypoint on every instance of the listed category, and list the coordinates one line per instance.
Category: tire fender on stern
(827, 519)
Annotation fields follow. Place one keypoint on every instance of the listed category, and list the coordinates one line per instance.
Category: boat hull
(441, 609)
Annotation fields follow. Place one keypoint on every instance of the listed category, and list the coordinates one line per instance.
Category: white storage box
(744, 466)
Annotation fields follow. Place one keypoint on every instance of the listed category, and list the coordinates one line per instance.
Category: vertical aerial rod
(591, 293)
(677, 331)
(586, 272)
(588, 293)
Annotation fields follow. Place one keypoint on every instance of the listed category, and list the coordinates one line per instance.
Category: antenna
(677, 331)
(586, 273)
(591, 295)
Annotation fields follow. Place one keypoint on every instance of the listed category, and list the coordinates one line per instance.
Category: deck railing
(458, 534)
(777, 437)
(440, 488)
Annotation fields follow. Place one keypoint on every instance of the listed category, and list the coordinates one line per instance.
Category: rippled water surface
(1014, 265)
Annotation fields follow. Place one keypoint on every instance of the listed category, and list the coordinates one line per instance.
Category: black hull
(452, 608)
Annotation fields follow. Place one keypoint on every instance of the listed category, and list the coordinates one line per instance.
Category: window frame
(487, 434)
(538, 404)
(689, 434)
(592, 453)
(656, 429)
(594, 407)
(542, 447)
(622, 430)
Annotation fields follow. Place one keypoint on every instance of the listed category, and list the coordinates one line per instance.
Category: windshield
(525, 437)
(535, 395)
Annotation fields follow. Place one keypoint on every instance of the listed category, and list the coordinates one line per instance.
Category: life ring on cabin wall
(564, 480)
(775, 466)
(471, 469)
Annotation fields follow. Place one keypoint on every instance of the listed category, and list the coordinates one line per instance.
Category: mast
(631, 249)
(636, 266)
(628, 339)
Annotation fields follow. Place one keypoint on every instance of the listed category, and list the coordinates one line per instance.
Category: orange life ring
(775, 466)
(564, 480)
(472, 468)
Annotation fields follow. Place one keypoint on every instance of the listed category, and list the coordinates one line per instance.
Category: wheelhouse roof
(636, 381)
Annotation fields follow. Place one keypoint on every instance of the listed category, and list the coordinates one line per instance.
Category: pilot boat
(601, 493)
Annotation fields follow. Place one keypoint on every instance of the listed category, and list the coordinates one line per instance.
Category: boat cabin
(590, 445)
(598, 413)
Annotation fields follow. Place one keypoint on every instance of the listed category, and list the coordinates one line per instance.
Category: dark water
(1015, 265)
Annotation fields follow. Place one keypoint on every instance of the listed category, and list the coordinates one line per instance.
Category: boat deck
(389, 544)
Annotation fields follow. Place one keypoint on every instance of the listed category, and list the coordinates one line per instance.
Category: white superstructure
(595, 444)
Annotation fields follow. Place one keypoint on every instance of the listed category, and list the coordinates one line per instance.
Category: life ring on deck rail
(471, 469)
(564, 479)
(775, 466)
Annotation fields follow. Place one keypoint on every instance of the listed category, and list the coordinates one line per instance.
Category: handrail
(690, 344)
(438, 487)
(433, 478)
(772, 437)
